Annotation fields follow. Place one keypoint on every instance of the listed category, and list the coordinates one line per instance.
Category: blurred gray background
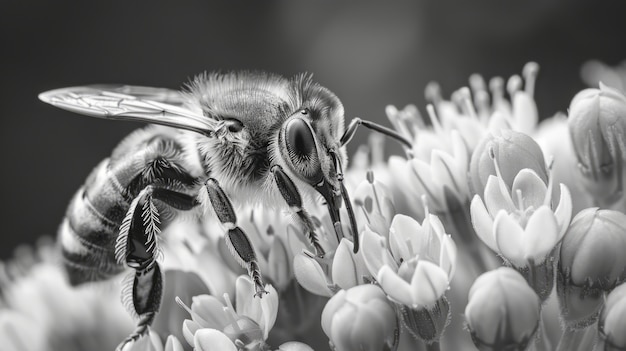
(369, 53)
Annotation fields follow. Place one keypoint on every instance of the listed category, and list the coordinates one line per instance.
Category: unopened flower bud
(503, 311)
(513, 152)
(592, 262)
(612, 323)
(597, 122)
(360, 318)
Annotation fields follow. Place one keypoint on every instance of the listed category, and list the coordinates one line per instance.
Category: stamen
(362, 206)
(548, 198)
(433, 119)
(360, 159)
(477, 83)
(412, 114)
(370, 177)
(496, 85)
(466, 102)
(376, 198)
(377, 147)
(433, 93)
(398, 121)
(230, 313)
(514, 85)
(530, 71)
(501, 184)
(193, 314)
(426, 188)
(520, 199)
(255, 224)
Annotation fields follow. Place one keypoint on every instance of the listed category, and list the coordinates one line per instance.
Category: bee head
(309, 144)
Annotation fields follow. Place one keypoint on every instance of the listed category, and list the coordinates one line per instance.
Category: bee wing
(131, 103)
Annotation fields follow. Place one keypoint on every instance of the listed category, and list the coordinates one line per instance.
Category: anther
(530, 71)
(514, 84)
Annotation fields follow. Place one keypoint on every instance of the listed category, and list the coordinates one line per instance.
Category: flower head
(360, 318)
(503, 311)
(414, 268)
(417, 263)
(515, 215)
(612, 324)
(591, 263)
(597, 124)
(512, 151)
(248, 324)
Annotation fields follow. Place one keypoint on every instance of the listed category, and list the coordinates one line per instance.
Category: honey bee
(246, 136)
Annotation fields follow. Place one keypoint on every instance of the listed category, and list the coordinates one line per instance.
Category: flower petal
(262, 311)
(482, 223)
(212, 340)
(344, 272)
(533, 189)
(374, 252)
(269, 305)
(208, 312)
(279, 264)
(428, 284)
(172, 344)
(430, 186)
(294, 346)
(563, 212)
(525, 112)
(540, 235)
(394, 286)
(402, 232)
(509, 238)
(189, 329)
(447, 257)
(496, 197)
(310, 275)
(442, 168)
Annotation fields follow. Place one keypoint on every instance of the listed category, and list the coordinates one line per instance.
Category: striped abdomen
(91, 225)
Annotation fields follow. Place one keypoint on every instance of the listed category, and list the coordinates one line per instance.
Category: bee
(240, 136)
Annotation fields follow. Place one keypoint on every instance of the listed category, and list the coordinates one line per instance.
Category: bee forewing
(168, 96)
(132, 103)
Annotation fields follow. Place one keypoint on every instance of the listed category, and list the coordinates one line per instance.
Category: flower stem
(577, 340)
(543, 344)
(433, 346)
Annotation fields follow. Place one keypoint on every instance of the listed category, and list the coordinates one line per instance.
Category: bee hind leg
(237, 240)
(290, 193)
(137, 248)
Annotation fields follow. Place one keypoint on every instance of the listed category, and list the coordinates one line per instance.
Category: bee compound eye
(299, 138)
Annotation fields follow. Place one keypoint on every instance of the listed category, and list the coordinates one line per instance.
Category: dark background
(369, 54)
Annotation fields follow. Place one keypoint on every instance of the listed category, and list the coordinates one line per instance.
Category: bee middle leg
(236, 239)
(137, 248)
(290, 193)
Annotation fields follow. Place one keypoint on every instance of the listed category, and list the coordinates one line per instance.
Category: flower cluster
(494, 231)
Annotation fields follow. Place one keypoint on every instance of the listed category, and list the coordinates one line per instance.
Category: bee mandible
(246, 136)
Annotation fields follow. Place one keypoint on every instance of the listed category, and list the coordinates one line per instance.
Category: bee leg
(141, 294)
(290, 193)
(137, 248)
(236, 239)
(356, 122)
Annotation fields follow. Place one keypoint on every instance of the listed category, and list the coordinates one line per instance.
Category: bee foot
(138, 333)
(259, 289)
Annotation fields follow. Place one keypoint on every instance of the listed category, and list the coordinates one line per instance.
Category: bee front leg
(290, 193)
(137, 247)
(237, 240)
